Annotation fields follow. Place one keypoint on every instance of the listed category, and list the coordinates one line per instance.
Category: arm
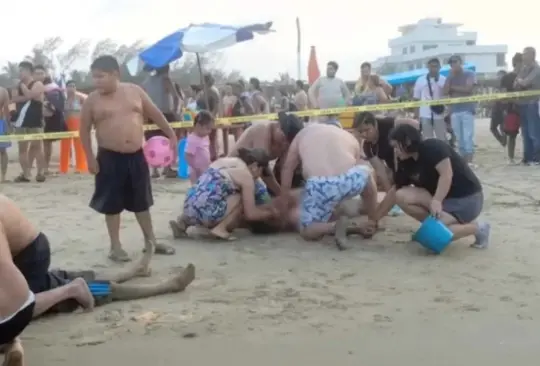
(446, 88)
(380, 172)
(271, 182)
(386, 87)
(151, 112)
(263, 103)
(386, 204)
(444, 168)
(345, 92)
(85, 128)
(4, 109)
(369, 199)
(313, 93)
(408, 121)
(247, 186)
(381, 95)
(527, 81)
(287, 170)
(469, 86)
(35, 93)
(417, 92)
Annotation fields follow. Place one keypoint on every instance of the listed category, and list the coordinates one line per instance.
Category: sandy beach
(277, 300)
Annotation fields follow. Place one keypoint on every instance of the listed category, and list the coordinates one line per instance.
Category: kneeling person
(433, 179)
(226, 194)
(333, 175)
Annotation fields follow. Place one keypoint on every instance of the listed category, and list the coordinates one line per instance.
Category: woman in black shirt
(373, 132)
(431, 178)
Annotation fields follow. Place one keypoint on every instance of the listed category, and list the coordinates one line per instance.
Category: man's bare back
(325, 150)
(258, 135)
(118, 118)
(18, 230)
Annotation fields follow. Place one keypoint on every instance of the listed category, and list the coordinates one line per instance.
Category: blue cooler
(433, 235)
(183, 167)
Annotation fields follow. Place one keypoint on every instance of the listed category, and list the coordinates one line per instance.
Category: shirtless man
(63, 291)
(333, 175)
(117, 111)
(274, 138)
(4, 130)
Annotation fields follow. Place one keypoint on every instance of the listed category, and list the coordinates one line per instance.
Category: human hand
(435, 208)
(369, 228)
(93, 166)
(173, 145)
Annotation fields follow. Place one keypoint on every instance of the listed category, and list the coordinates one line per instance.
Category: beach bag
(511, 123)
(437, 109)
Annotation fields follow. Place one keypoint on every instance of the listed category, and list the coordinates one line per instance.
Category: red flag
(313, 68)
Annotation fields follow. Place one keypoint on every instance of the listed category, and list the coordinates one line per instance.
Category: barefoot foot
(340, 234)
(119, 255)
(14, 354)
(81, 293)
(221, 234)
(162, 249)
(178, 229)
(180, 281)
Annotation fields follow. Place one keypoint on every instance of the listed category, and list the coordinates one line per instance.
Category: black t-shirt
(381, 148)
(422, 172)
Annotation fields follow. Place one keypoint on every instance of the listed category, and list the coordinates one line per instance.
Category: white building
(430, 38)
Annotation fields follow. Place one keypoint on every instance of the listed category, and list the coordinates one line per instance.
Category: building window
(429, 47)
(412, 49)
(405, 49)
(471, 43)
(501, 60)
(419, 65)
(411, 67)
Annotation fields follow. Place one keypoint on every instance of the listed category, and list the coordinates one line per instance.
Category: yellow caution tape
(229, 121)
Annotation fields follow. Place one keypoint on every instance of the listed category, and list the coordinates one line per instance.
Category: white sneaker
(482, 235)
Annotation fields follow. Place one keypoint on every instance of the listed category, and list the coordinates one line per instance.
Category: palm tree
(11, 70)
(43, 53)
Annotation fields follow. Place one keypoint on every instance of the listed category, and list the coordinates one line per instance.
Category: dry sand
(278, 300)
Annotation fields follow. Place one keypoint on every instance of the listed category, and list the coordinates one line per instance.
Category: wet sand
(269, 300)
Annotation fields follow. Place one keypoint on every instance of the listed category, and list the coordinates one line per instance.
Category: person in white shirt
(430, 87)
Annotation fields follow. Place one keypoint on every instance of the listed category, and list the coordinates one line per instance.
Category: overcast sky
(346, 31)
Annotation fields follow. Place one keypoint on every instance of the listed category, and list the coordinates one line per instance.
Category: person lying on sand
(27, 256)
(432, 179)
(333, 175)
(228, 193)
(274, 138)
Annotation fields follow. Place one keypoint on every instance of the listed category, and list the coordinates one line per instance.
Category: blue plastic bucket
(433, 235)
(183, 167)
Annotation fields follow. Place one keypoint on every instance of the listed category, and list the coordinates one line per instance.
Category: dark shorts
(170, 117)
(122, 183)
(11, 329)
(465, 209)
(34, 261)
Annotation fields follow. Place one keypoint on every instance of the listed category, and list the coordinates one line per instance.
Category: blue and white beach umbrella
(197, 38)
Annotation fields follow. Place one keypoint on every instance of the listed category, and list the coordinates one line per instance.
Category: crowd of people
(282, 175)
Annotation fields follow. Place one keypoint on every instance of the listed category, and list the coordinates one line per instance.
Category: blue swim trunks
(206, 201)
(322, 195)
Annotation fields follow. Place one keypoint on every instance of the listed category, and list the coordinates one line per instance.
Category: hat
(454, 58)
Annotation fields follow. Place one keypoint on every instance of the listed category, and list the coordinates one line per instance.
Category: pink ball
(157, 152)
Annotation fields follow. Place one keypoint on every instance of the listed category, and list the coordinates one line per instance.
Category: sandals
(21, 179)
(40, 178)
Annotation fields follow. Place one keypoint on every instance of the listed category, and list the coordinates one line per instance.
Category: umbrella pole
(205, 87)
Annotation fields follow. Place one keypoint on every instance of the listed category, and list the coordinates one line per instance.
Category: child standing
(198, 145)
